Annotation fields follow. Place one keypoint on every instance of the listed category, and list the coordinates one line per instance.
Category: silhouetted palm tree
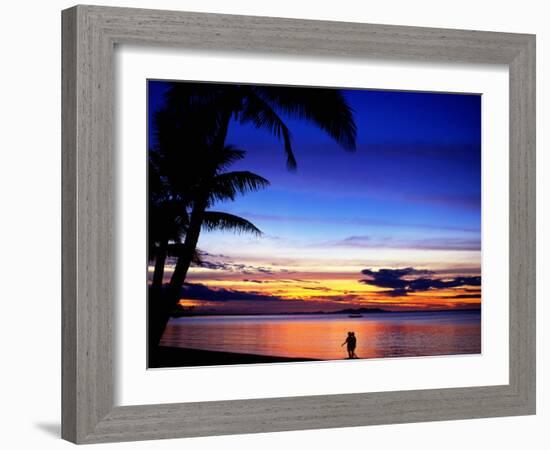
(167, 216)
(260, 106)
(196, 121)
(167, 212)
(172, 171)
(168, 220)
(222, 186)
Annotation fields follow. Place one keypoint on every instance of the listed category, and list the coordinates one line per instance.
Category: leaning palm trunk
(160, 305)
(160, 261)
(188, 249)
(160, 308)
(156, 305)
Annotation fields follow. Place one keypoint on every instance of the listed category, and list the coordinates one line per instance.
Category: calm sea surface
(320, 336)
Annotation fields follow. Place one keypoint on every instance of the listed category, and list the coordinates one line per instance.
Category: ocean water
(319, 336)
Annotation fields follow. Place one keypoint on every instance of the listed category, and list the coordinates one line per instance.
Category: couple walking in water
(351, 342)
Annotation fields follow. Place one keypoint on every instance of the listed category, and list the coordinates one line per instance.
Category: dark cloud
(465, 296)
(398, 292)
(197, 291)
(275, 280)
(236, 267)
(213, 255)
(215, 265)
(400, 282)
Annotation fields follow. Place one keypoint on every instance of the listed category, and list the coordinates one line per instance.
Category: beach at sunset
(192, 357)
(196, 341)
(332, 224)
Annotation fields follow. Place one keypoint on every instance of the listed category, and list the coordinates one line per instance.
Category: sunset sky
(395, 224)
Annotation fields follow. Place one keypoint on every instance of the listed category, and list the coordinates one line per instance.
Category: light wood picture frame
(89, 36)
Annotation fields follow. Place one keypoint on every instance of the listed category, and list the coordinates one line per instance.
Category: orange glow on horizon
(338, 293)
(306, 291)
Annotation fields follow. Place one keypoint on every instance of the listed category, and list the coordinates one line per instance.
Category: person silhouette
(351, 342)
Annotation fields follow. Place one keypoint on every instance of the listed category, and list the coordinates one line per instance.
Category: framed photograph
(277, 224)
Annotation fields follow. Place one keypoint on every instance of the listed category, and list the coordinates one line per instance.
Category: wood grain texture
(522, 282)
(88, 240)
(89, 36)
(68, 224)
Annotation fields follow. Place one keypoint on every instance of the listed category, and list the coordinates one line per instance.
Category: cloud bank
(197, 291)
(401, 282)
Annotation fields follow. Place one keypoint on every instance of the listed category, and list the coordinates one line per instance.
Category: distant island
(190, 311)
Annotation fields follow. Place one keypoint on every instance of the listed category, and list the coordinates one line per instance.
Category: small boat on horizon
(355, 316)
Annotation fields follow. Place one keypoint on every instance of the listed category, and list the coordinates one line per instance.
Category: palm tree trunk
(189, 246)
(160, 261)
(156, 312)
(161, 305)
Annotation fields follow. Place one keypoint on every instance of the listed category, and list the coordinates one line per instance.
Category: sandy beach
(185, 357)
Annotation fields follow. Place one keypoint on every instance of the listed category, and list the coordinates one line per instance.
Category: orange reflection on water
(321, 336)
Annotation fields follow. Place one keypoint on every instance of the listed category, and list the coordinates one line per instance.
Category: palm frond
(226, 186)
(216, 220)
(260, 113)
(229, 155)
(168, 219)
(326, 108)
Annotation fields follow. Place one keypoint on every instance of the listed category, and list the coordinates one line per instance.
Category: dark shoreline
(341, 312)
(186, 357)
